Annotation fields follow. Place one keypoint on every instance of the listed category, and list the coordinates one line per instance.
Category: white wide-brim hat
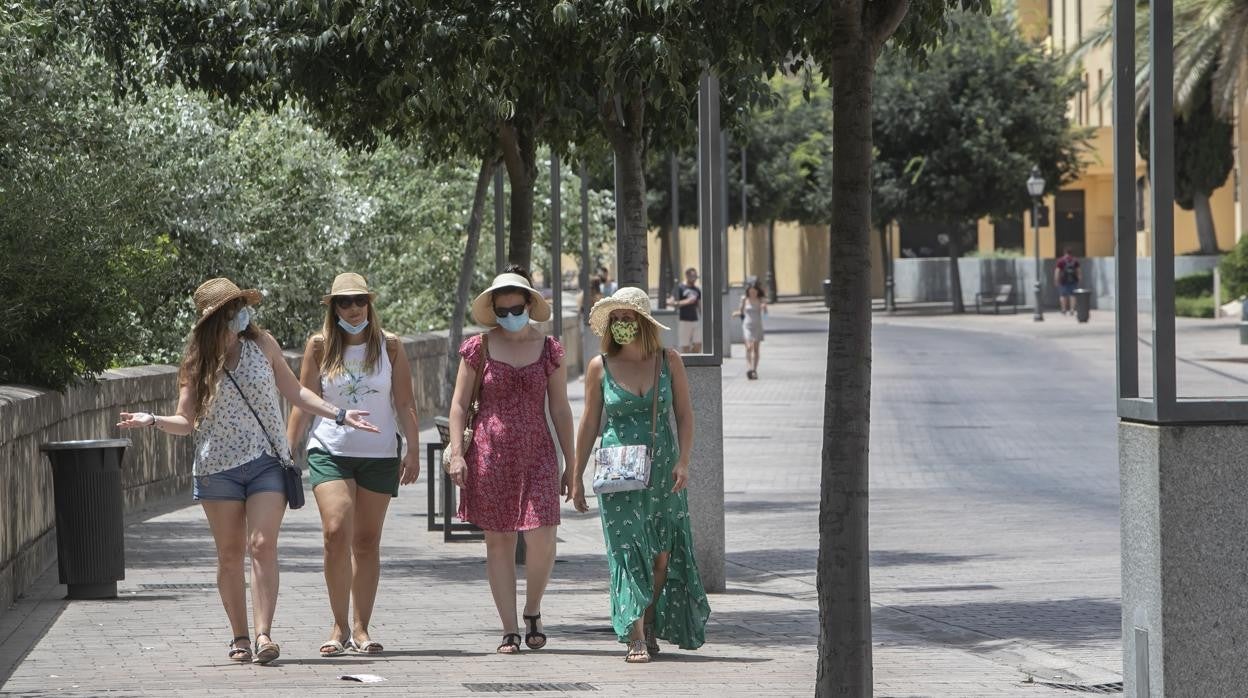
(628, 298)
(483, 305)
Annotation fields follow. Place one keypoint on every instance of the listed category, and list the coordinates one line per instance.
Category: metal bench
(1002, 296)
(451, 530)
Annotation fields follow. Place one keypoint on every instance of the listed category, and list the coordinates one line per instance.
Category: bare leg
(370, 516)
(228, 523)
(757, 346)
(500, 568)
(335, 499)
(264, 517)
(539, 563)
(660, 578)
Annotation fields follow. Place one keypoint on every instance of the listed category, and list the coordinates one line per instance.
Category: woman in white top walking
(230, 368)
(352, 361)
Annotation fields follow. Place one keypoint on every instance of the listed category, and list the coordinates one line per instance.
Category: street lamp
(1035, 187)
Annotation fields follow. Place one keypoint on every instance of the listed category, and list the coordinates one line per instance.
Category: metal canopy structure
(1164, 406)
(712, 222)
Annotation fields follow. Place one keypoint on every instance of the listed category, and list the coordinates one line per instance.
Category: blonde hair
(647, 335)
(333, 342)
(204, 357)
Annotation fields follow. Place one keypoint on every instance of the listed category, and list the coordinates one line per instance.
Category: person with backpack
(1067, 276)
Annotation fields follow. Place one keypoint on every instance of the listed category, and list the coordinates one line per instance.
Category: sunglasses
(513, 310)
(345, 302)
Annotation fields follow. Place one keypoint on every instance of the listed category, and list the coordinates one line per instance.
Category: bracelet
(153, 424)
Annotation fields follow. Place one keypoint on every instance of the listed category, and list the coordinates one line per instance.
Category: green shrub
(1234, 269)
(1185, 306)
(1194, 285)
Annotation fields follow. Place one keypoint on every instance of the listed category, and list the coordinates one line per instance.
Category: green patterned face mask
(623, 332)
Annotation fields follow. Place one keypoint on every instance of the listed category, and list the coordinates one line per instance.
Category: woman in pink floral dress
(509, 475)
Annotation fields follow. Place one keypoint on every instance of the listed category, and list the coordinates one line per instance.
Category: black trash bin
(1083, 304)
(90, 542)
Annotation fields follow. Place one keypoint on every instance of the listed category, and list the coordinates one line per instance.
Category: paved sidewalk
(978, 579)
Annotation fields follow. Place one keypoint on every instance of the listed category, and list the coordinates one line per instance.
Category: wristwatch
(341, 417)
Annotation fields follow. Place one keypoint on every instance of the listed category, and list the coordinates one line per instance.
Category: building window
(1100, 92)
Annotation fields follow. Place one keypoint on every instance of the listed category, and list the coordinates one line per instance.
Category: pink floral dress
(513, 473)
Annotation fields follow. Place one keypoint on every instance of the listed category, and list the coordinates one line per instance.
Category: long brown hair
(204, 357)
(334, 342)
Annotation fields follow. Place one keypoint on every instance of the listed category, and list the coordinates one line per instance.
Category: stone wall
(157, 467)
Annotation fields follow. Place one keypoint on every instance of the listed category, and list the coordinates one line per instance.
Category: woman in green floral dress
(656, 591)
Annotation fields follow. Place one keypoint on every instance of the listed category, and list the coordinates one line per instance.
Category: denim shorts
(263, 474)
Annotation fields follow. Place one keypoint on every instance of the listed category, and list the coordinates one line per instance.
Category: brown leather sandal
(637, 652)
(239, 654)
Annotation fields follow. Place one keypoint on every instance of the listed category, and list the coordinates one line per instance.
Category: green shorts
(373, 474)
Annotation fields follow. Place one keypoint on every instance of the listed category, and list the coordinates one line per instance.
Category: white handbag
(626, 468)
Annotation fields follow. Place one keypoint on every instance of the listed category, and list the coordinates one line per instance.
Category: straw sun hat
(214, 293)
(483, 306)
(348, 284)
(628, 298)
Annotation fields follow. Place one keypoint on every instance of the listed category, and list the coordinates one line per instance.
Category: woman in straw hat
(656, 591)
(509, 473)
(229, 382)
(352, 361)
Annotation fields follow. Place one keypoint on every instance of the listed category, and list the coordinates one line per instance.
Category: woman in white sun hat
(229, 382)
(656, 591)
(354, 474)
(509, 472)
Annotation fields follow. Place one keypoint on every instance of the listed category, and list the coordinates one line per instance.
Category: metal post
(677, 261)
(1161, 174)
(585, 261)
(890, 288)
(1035, 227)
(500, 250)
(556, 244)
(721, 187)
(745, 226)
(1126, 298)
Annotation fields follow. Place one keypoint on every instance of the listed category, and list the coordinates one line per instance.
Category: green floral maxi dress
(639, 525)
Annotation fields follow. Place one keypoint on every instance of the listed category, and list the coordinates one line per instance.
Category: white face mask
(241, 320)
(352, 329)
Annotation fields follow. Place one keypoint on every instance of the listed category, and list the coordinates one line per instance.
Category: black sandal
(535, 639)
(513, 645)
(239, 654)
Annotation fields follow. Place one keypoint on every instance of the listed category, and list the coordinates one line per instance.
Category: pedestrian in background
(608, 286)
(509, 472)
(353, 361)
(656, 591)
(231, 375)
(688, 301)
(1067, 275)
(753, 308)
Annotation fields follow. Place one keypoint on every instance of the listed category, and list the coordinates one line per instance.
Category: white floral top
(230, 435)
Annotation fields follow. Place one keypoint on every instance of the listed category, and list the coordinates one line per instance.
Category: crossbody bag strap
(276, 453)
(654, 407)
(474, 405)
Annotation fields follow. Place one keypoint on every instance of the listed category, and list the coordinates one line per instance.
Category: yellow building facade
(1082, 213)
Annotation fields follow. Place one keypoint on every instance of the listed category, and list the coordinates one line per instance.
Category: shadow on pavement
(1065, 622)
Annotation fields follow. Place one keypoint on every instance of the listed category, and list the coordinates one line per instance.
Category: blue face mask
(514, 323)
(352, 329)
(241, 320)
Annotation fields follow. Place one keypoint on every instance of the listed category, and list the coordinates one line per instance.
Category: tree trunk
(665, 265)
(627, 142)
(520, 157)
(1205, 232)
(771, 261)
(843, 572)
(467, 268)
(955, 274)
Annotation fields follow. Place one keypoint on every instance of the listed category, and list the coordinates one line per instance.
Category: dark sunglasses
(345, 302)
(513, 310)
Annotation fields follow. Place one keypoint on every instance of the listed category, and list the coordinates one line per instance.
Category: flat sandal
(511, 641)
(266, 651)
(239, 654)
(637, 652)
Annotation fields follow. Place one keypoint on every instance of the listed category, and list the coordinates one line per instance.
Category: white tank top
(353, 389)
